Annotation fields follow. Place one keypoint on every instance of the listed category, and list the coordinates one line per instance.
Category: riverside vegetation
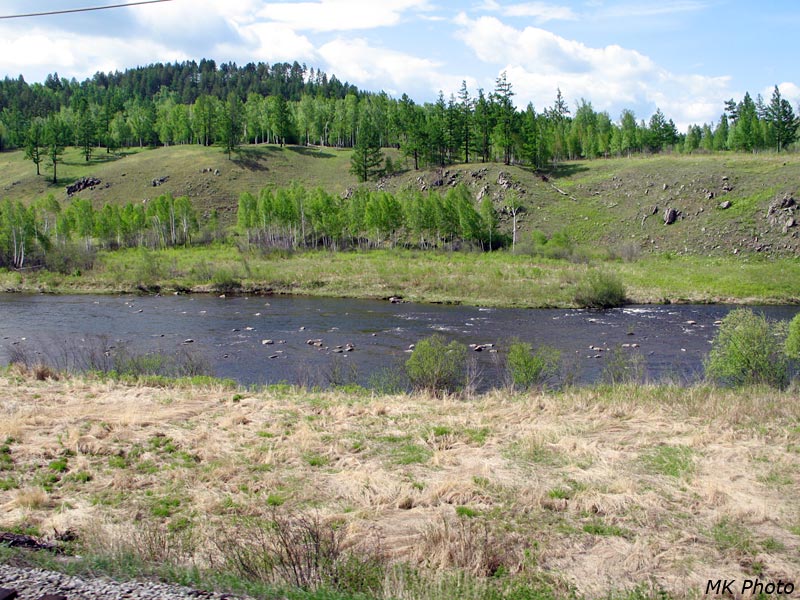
(314, 242)
(618, 490)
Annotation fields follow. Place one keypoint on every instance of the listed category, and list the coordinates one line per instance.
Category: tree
(504, 107)
(781, 120)
(280, 118)
(466, 106)
(230, 124)
(489, 218)
(34, 142)
(484, 123)
(85, 130)
(56, 136)
(514, 208)
(367, 158)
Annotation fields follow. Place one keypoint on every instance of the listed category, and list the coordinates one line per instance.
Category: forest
(205, 103)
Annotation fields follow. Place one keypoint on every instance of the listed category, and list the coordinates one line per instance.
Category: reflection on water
(266, 339)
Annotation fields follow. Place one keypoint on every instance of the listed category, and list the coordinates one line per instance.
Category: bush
(600, 290)
(792, 346)
(437, 367)
(527, 368)
(623, 367)
(747, 350)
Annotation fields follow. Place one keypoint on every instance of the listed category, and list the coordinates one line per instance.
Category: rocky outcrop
(782, 213)
(83, 183)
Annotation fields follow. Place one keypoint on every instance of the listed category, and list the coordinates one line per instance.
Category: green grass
(729, 535)
(409, 454)
(673, 461)
(476, 279)
(602, 529)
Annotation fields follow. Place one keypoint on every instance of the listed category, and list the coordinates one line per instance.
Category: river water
(230, 333)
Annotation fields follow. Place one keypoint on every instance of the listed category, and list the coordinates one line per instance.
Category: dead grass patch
(614, 485)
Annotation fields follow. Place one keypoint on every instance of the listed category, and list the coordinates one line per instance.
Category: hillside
(618, 204)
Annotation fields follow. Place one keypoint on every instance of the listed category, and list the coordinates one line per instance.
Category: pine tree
(781, 120)
(466, 105)
(367, 159)
(505, 111)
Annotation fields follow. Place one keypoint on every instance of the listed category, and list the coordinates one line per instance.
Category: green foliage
(437, 367)
(59, 465)
(746, 351)
(527, 368)
(792, 346)
(600, 289)
(367, 158)
(623, 366)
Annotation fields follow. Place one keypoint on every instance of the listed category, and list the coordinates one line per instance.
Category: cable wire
(79, 10)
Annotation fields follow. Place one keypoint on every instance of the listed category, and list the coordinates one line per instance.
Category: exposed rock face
(782, 213)
(82, 184)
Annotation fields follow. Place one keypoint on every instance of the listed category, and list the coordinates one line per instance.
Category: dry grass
(608, 488)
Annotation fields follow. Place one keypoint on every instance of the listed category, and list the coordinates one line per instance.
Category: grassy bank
(485, 279)
(595, 493)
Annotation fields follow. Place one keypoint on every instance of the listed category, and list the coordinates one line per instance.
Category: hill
(618, 204)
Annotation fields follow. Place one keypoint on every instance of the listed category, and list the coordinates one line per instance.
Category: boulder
(724, 205)
(670, 216)
(82, 184)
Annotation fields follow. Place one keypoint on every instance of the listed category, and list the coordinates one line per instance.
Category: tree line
(295, 217)
(204, 104)
(44, 232)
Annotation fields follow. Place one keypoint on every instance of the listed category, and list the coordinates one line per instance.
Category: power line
(79, 10)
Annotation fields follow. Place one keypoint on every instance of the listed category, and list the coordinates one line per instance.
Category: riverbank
(498, 279)
(595, 491)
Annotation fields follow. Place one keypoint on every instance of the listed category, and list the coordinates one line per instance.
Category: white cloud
(37, 52)
(538, 62)
(396, 72)
(789, 91)
(650, 9)
(268, 42)
(540, 11)
(340, 15)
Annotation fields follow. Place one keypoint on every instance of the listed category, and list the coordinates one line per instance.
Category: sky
(685, 57)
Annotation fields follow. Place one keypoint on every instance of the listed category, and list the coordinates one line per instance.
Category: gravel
(31, 584)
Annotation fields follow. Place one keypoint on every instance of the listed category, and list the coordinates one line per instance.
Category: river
(231, 334)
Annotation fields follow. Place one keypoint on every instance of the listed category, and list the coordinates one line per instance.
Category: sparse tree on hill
(34, 142)
(367, 159)
(56, 136)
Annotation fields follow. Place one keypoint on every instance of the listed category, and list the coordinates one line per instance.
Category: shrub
(792, 346)
(304, 552)
(600, 290)
(435, 366)
(747, 350)
(623, 367)
(527, 368)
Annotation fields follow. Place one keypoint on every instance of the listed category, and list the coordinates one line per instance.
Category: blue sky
(683, 56)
